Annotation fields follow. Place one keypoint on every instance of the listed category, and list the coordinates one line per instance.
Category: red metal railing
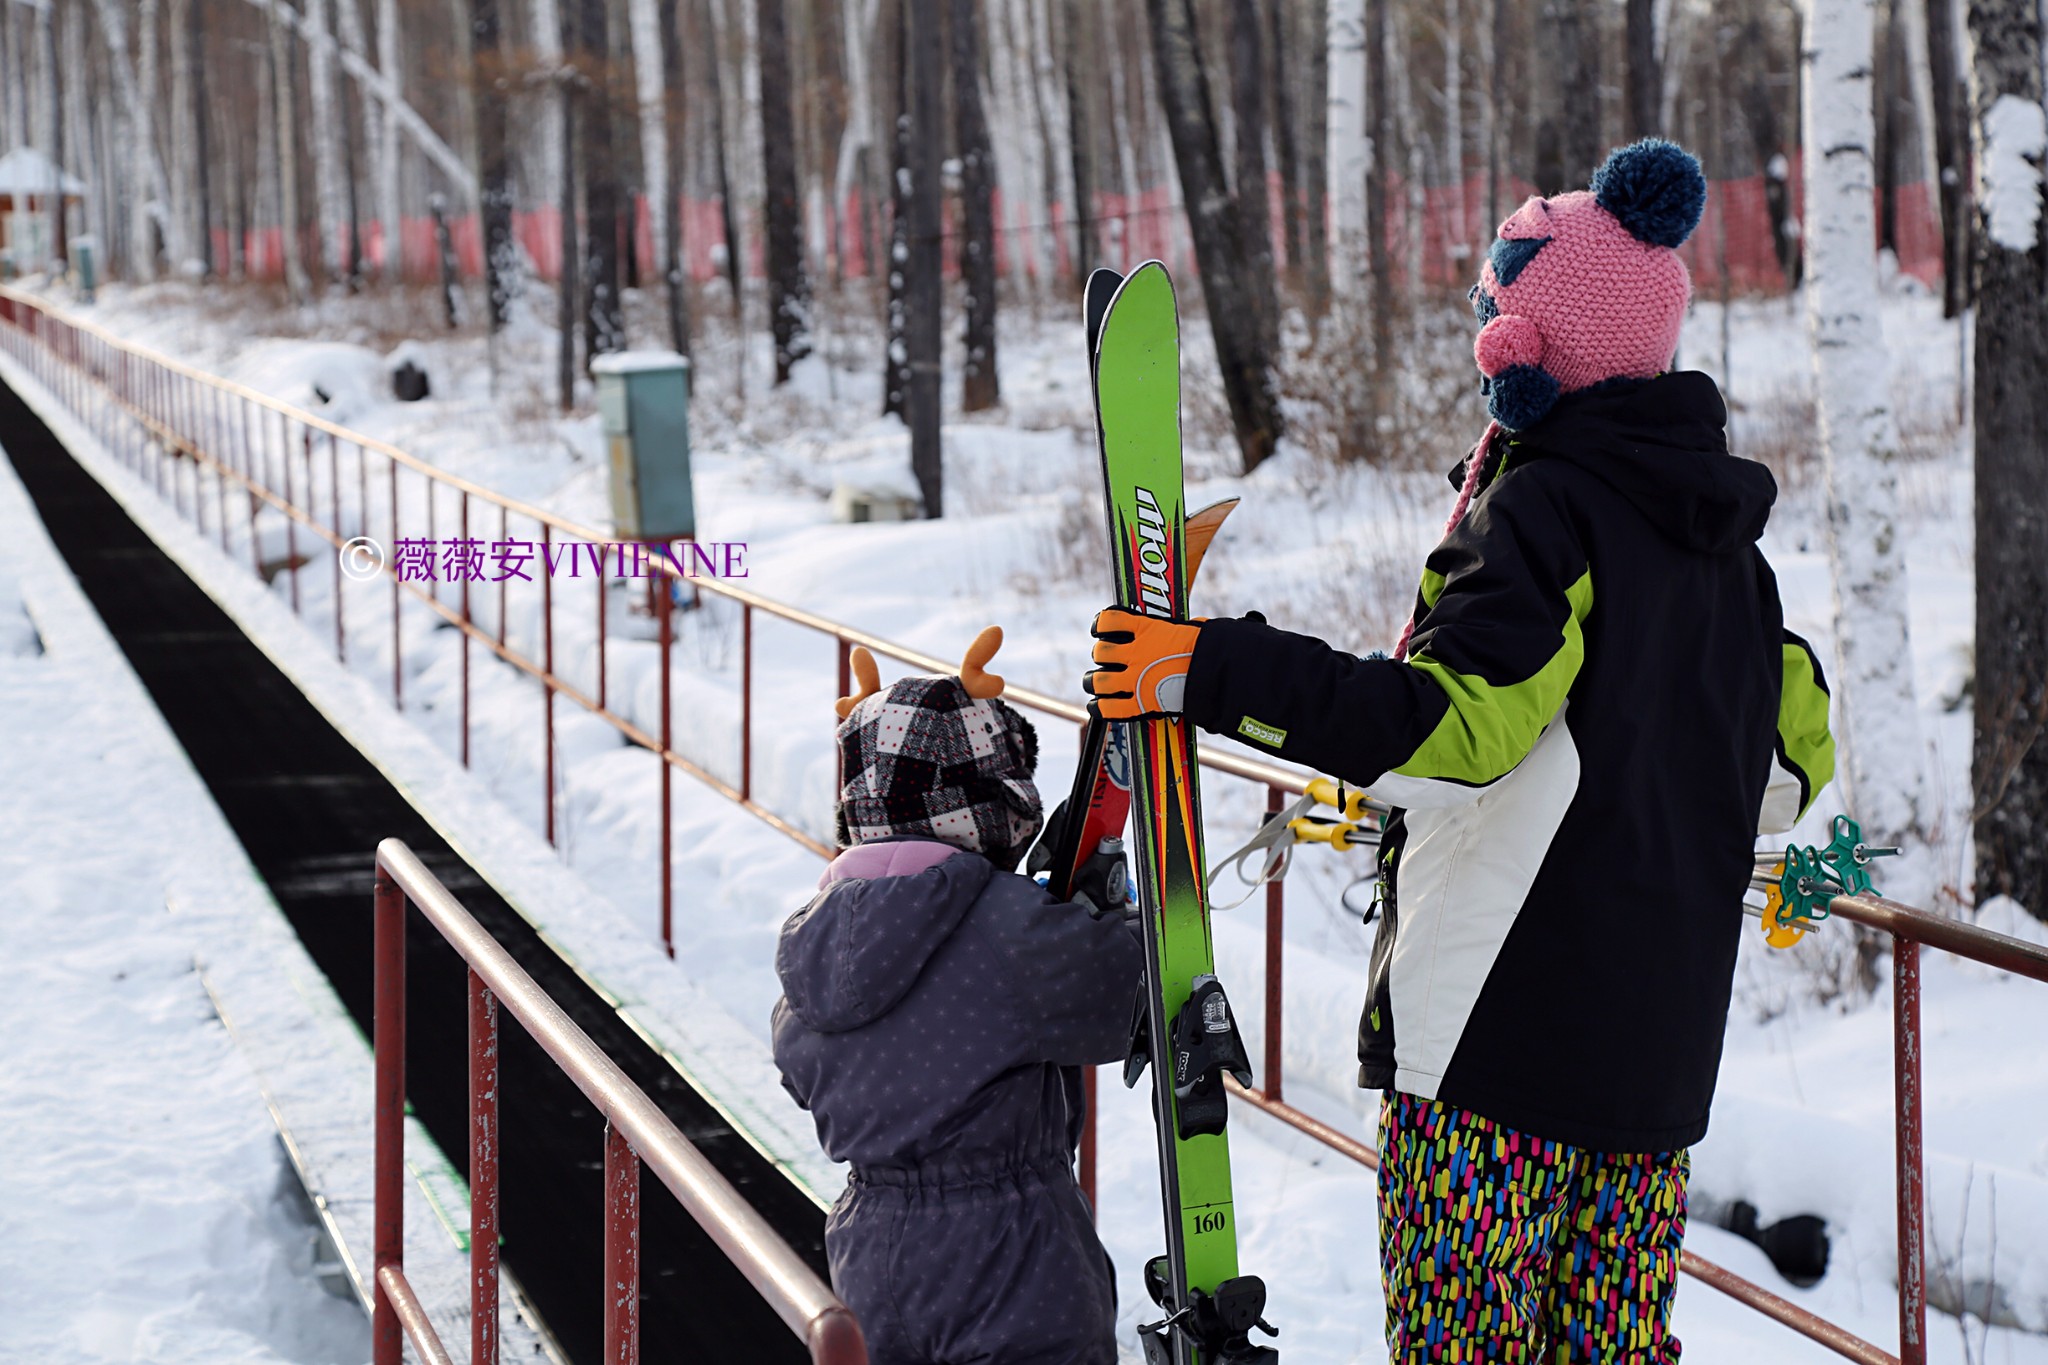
(164, 420)
(637, 1134)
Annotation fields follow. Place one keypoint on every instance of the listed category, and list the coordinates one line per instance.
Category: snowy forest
(880, 179)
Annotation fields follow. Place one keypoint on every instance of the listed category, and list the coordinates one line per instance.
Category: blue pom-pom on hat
(1520, 396)
(1654, 188)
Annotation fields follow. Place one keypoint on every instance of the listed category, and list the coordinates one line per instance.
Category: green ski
(1184, 1029)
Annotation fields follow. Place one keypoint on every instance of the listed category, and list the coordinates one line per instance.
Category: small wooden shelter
(30, 187)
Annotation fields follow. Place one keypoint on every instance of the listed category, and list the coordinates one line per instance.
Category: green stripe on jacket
(1489, 727)
(1803, 723)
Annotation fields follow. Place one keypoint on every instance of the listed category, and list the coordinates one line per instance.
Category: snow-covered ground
(147, 1212)
(1803, 1122)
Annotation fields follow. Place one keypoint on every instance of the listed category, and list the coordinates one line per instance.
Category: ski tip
(1101, 287)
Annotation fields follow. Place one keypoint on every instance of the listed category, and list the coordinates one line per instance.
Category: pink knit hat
(1587, 286)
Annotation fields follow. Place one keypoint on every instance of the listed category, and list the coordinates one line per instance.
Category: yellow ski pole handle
(1351, 805)
(1340, 835)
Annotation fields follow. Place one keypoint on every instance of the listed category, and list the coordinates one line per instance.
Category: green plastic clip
(1813, 877)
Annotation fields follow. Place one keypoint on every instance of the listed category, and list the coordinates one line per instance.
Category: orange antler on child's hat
(867, 682)
(981, 684)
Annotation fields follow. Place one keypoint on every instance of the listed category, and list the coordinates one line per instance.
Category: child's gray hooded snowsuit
(930, 1005)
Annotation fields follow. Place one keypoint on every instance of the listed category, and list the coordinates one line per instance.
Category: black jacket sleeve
(1497, 644)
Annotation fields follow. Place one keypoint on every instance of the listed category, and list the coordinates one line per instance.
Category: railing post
(547, 680)
(388, 1035)
(291, 505)
(621, 1249)
(665, 610)
(747, 701)
(466, 623)
(601, 595)
(1912, 1194)
(1275, 943)
(334, 510)
(397, 593)
(483, 1172)
(1087, 1153)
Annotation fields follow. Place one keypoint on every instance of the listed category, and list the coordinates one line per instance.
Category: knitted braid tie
(1475, 470)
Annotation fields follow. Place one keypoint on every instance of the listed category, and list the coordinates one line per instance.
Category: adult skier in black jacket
(1595, 710)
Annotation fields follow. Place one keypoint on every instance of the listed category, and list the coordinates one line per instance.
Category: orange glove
(1141, 665)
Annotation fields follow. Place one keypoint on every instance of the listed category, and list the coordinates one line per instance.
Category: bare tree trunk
(604, 321)
(1081, 140)
(1314, 111)
(1279, 78)
(788, 289)
(1645, 81)
(675, 108)
(1457, 241)
(444, 246)
(202, 157)
(1767, 137)
(2009, 761)
(1951, 153)
(181, 118)
(1873, 686)
(924, 76)
(544, 25)
(728, 209)
(286, 144)
(1579, 76)
(1254, 205)
(389, 44)
(1350, 140)
(1239, 298)
(1380, 258)
(896, 336)
(571, 285)
(979, 387)
(1493, 48)
(494, 164)
(53, 97)
(327, 192)
(649, 74)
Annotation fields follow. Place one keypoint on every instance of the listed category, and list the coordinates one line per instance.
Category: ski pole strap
(1274, 843)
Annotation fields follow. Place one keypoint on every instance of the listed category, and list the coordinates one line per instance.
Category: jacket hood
(1662, 444)
(882, 911)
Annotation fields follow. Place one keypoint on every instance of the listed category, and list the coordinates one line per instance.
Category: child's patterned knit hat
(942, 758)
(1587, 286)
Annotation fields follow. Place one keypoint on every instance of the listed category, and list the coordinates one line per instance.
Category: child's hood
(1662, 444)
(881, 912)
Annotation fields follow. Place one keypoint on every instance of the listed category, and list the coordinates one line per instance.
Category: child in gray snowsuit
(937, 1006)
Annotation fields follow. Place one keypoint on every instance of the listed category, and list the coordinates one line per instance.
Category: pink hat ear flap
(1507, 341)
(1519, 391)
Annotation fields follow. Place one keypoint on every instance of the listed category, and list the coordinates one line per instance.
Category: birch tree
(286, 143)
(388, 45)
(328, 206)
(643, 19)
(2009, 760)
(1350, 149)
(142, 172)
(1873, 685)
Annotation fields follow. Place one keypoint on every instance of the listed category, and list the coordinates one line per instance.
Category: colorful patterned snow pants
(1497, 1246)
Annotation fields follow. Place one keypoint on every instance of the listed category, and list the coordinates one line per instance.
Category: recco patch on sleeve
(1257, 730)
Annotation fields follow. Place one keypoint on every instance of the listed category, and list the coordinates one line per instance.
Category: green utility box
(643, 398)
